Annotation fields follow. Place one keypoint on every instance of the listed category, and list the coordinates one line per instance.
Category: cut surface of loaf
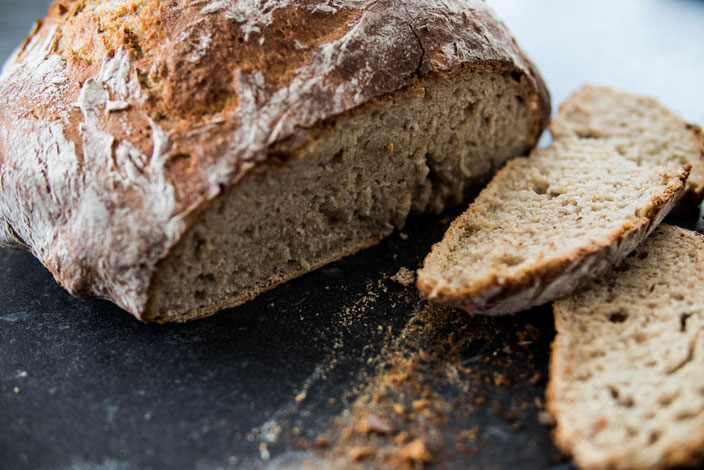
(179, 157)
(545, 224)
(349, 190)
(640, 128)
(627, 369)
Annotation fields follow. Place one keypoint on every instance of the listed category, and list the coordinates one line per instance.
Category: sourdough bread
(627, 382)
(180, 157)
(640, 128)
(546, 224)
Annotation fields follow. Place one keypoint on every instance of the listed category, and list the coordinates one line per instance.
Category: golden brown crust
(496, 294)
(151, 109)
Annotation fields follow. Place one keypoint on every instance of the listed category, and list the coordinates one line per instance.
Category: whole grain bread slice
(547, 223)
(641, 130)
(627, 368)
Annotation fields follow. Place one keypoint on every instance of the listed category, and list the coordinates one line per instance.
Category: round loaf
(122, 122)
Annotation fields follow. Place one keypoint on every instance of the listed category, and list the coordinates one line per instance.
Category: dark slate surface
(98, 387)
(83, 385)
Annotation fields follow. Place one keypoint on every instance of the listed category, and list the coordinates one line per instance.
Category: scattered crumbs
(419, 405)
(16, 390)
(501, 380)
(403, 235)
(371, 423)
(264, 451)
(416, 451)
(390, 148)
(22, 374)
(404, 276)
(533, 331)
(537, 379)
(399, 415)
(321, 441)
(361, 452)
(471, 434)
(271, 431)
(546, 419)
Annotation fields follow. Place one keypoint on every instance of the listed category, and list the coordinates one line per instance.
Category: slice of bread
(641, 129)
(547, 223)
(627, 370)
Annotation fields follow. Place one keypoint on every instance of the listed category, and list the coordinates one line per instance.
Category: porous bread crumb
(346, 194)
(546, 224)
(627, 382)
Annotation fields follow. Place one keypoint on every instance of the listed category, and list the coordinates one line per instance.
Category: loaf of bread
(179, 157)
(627, 369)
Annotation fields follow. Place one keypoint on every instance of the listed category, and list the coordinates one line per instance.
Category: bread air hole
(618, 316)
(653, 437)
(510, 260)
(614, 393)
(683, 321)
(540, 187)
(622, 401)
(684, 415)
(666, 399)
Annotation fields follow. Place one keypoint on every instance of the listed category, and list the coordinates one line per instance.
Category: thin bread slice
(627, 368)
(641, 129)
(545, 224)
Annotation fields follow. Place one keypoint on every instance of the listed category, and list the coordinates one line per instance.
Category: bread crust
(531, 286)
(121, 124)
